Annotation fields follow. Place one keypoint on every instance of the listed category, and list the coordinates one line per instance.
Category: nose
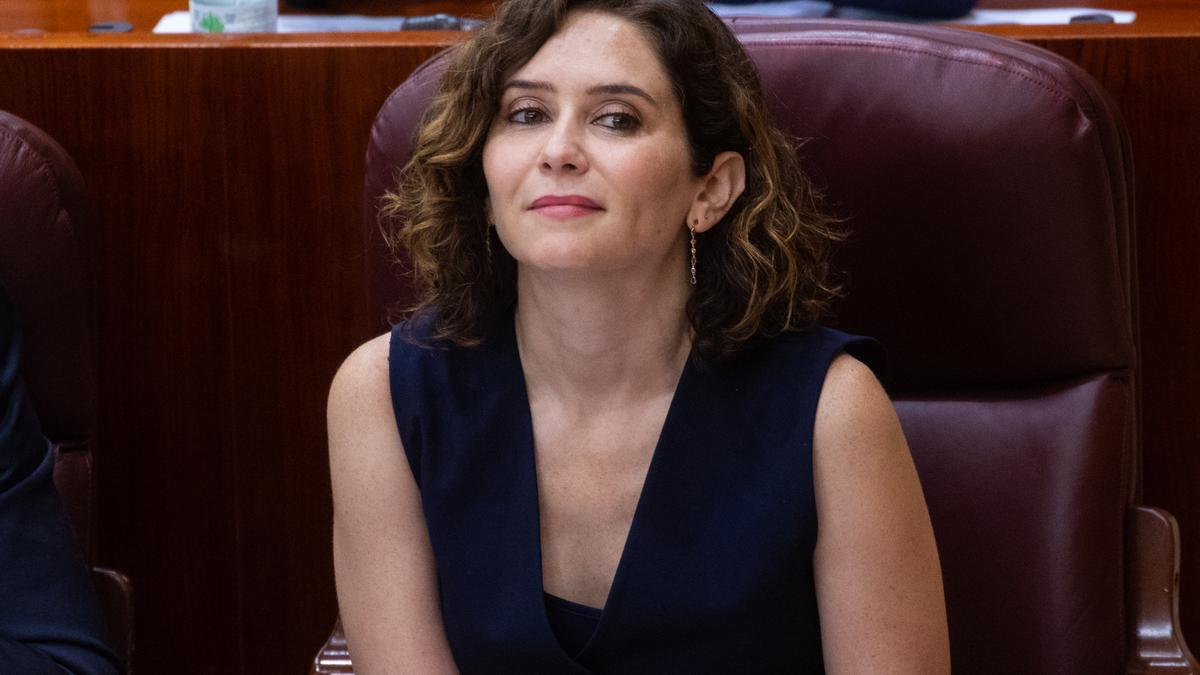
(563, 151)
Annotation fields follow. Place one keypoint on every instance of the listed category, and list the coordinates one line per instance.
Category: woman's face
(587, 162)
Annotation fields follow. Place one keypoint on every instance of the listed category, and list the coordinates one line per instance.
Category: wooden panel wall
(227, 177)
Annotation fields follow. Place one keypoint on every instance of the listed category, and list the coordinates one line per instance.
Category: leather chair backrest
(987, 188)
(45, 272)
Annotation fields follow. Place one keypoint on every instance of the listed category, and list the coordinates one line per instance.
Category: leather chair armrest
(1157, 644)
(115, 593)
(334, 657)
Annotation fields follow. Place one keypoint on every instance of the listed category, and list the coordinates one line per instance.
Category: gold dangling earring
(487, 237)
(693, 231)
(489, 222)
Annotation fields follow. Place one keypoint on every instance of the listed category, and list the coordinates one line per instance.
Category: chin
(560, 264)
(560, 256)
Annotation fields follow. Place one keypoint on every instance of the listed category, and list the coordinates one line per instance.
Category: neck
(593, 341)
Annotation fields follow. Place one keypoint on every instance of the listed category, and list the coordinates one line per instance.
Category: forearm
(18, 657)
(49, 608)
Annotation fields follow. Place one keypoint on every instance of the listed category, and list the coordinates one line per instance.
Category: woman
(608, 435)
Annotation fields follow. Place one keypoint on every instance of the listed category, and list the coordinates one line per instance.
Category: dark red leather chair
(45, 271)
(987, 188)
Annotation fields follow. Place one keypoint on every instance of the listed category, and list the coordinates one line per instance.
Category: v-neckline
(529, 463)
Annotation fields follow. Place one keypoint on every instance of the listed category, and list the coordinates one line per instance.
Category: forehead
(596, 47)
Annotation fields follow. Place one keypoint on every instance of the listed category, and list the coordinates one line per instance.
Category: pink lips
(565, 206)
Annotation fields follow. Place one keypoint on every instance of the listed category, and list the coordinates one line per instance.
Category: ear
(718, 191)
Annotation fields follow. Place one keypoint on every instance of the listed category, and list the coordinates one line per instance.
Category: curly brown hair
(765, 264)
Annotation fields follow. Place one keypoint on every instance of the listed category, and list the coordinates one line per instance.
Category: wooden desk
(227, 176)
(1156, 17)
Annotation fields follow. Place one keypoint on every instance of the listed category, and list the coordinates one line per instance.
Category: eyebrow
(598, 89)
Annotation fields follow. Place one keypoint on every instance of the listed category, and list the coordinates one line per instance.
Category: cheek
(491, 168)
(661, 177)
(499, 174)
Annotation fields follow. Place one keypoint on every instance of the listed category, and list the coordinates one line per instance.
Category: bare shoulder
(383, 562)
(364, 442)
(362, 379)
(852, 402)
(363, 439)
(862, 467)
(879, 585)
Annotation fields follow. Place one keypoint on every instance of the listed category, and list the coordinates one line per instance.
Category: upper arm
(878, 580)
(383, 563)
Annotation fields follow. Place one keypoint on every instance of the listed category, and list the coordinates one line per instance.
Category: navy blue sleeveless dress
(716, 573)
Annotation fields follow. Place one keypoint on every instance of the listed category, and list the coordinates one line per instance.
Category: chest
(590, 475)
(712, 573)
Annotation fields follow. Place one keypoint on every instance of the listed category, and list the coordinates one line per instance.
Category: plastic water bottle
(234, 16)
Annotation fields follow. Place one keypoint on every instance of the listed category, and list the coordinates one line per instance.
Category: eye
(527, 115)
(618, 121)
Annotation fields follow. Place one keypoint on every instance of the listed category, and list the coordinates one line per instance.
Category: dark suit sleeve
(50, 621)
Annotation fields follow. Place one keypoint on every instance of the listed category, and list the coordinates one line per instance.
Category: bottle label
(234, 16)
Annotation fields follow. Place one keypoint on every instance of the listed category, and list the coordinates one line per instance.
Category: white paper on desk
(1047, 16)
(181, 22)
(175, 22)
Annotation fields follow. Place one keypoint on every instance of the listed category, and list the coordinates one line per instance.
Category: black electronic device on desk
(901, 10)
